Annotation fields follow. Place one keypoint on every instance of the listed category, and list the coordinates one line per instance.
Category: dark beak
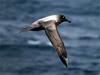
(67, 20)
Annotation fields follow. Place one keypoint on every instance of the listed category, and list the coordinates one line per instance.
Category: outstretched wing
(56, 41)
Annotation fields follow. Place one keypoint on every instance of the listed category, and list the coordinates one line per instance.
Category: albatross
(49, 25)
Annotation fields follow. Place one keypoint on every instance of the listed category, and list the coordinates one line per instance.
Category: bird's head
(62, 18)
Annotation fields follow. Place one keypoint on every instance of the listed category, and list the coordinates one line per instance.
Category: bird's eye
(63, 17)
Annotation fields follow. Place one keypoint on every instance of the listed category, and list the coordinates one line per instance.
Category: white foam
(33, 42)
(49, 43)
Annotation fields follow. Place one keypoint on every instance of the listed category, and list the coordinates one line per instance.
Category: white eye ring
(63, 17)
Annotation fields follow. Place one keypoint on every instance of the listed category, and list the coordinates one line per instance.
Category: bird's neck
(57, 23)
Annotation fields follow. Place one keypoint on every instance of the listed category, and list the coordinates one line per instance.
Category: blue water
(31, 53)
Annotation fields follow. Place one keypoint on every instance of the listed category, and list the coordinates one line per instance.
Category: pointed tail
(26, 29)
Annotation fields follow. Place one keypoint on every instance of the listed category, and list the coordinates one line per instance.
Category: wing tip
(66, 64)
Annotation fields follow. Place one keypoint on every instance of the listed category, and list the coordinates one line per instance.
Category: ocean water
(31, 53)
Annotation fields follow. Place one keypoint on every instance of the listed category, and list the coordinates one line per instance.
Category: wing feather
(54, 37)
(58, 45)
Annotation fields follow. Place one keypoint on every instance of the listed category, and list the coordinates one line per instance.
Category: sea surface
(31, 53)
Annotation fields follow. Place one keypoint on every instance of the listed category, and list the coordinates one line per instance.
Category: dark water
(31, 53)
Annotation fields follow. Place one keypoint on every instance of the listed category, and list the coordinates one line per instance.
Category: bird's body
(49, 24)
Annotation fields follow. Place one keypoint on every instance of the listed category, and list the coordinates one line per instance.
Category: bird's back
(48, 18)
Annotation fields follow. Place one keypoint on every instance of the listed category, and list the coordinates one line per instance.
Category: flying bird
(49, 25)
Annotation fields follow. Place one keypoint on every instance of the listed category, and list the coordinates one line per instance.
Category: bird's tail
(26, 29)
